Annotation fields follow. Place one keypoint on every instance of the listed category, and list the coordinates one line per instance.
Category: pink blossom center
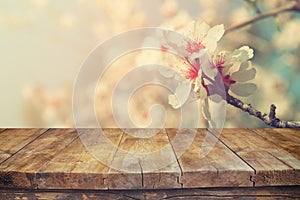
(163, 48)
(194, 47)
(193, 70)
(192, 73)
(227, 80)
(220, 63)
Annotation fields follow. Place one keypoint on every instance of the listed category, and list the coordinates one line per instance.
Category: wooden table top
(57, 159)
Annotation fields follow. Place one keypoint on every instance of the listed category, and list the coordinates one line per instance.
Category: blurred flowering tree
(261, 56)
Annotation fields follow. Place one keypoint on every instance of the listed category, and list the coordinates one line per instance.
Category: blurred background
(44, 42)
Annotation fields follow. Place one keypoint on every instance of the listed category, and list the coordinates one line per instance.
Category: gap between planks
(21, 169)
(177, 159)
(22, 144)
(206, 162)
(144, 164)
(78, 167)
(272, 163)
(217, 135)
(145, 176)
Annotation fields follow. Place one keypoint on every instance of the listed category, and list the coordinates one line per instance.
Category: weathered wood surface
(220, 167)
(171, 194)
(76, 167)
(273, 164)
(59, 159)
(13, 140)
(20, 169)
(287, 139)
(149, 160)
(2, 129)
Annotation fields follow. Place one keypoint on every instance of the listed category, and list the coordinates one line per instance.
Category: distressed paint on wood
(273, 165)
(218, 168)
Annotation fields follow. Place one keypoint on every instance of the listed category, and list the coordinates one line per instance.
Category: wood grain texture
(287, 138)
(2, 129)
(273, 165)
(217, 167)
(20, 170)
(147, 161)
(12, 140)
(76, 167)
(172, 194)
(62, 159)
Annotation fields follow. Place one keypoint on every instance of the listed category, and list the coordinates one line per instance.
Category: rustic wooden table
(54, 164)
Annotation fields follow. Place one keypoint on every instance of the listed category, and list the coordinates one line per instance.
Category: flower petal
(205, 109)
(182, 92)
(205, 63)
(202, 27)
(233, 68)
(213, 36)
(201, 30)
(243, 89)
(245, 65)
(210, 44)
(173, 101)
(216, 32)
(242, 54)
(244, 75)
(249, 51)
(197, 84)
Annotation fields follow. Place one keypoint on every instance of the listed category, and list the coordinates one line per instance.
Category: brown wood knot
(6, 179)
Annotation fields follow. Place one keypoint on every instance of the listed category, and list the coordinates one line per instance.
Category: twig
(293, 6)
(269, 119)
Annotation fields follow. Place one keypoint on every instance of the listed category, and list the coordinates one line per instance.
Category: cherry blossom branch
(269, 119)
(293, 6)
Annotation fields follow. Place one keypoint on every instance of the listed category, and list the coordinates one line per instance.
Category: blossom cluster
(205, 67)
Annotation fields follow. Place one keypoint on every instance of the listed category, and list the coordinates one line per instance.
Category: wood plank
(20, 169)
(218, 167)
(144, 159)
(12, 140)
(76, 167)
(2, 129)
(196, 193)
(273, 165)
(287, 138)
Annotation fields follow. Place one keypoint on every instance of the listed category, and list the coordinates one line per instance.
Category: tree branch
(269, 119)
(293, 6)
